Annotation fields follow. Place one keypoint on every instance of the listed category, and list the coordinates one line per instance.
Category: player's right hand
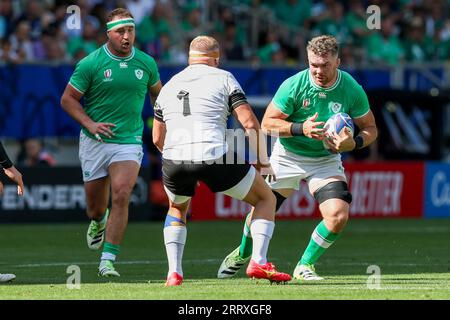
(99, 129)
(311, 130)
(266, 171)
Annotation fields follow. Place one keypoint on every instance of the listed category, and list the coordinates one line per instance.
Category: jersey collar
(336, 83)
(117, 58)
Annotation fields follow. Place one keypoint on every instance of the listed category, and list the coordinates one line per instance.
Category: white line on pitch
(58, 264)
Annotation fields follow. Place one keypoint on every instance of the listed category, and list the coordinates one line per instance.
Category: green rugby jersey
(300, 97)
(115, 89)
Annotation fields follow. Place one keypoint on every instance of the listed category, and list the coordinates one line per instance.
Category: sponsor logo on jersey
(123, 65)
(322, 95)
(335, 107)
(139, 73)
(107, 73)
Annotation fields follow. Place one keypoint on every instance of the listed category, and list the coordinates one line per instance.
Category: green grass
(413, 255)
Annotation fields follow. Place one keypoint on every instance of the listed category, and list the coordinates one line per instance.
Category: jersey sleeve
(284, 97)
(5, 162)
(236, 96)
(360, 105)
(81, 77)
(154, 72)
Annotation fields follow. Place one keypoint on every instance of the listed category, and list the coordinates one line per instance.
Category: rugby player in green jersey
(296, 115)
(114, 81)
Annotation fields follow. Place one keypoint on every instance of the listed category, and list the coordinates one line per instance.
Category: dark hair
(119, 12)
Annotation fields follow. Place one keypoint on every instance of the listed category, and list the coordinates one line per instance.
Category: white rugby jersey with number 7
(195, 105)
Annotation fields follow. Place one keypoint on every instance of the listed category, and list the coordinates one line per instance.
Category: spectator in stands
(32, 14)
(192, 22)
(86, 19)
(152, 27)
(21, 42)
(271, 47)
(140, 8)
(435, 18)
(34, 155)
(334, 24)
(418, 46)
(321, 10)
(87, 42)
(166, 25)
(356, 21)
(385, 46)
(233, 47)
(7, 54)
(295, 13)
(51, 47)
(6, 18)
(442, 37)
(231, 35)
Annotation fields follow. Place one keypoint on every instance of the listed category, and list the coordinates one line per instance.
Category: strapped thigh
(333, 190)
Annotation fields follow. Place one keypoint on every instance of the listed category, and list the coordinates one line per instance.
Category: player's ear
(338, 62)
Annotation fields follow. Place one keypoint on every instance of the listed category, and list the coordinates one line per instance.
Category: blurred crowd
(256, 31)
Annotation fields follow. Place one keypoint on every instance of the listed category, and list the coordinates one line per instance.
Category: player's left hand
(342, 142)
(15, 176)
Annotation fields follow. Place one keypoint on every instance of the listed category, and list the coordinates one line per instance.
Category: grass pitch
(413, 256)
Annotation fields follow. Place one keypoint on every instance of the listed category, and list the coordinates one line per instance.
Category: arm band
(359, 142)
(297, 129)
(235, 99)
(4, 160)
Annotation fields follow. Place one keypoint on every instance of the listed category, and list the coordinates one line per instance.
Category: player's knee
(333, 190)
(335, 219)
(339, 218)
(121, 196)
(178, 210)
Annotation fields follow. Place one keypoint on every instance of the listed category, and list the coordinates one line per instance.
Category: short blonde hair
(204, 44)
(322, 45)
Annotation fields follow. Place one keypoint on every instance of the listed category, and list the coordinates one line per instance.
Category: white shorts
(290, 168)
(96, 157)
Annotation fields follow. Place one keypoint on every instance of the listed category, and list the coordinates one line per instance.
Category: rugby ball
(336, 123)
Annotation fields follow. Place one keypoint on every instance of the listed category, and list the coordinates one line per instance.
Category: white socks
(174, 239)
(108, 256)
(261, 231)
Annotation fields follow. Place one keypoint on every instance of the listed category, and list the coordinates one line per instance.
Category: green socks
(110, 251)
(321, 240)
(245, 250)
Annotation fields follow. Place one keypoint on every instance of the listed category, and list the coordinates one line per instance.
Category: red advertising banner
(385, 189)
